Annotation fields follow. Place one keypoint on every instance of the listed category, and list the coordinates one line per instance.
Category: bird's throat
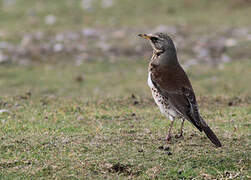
(153, 58)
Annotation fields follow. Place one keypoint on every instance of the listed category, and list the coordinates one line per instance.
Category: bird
(171, 88)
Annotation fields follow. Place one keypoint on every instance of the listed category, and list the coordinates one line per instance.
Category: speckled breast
(162, 102)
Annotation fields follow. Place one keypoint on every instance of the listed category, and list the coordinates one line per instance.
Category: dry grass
(66, 134)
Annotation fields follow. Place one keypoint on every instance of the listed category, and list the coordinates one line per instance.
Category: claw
(168, 138)
(178, 136)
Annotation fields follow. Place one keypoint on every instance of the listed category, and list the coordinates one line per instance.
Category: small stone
(166, 148)
(58, 47)
(161, 147)
(231, 42)
(50, 19)
(3, 58)
(28, 93)
(194, 166)
(88, 32)
(87, 5)
(4, 111)
(79, 78)
(107, 3)
(80, 118)
(169, 153)
(136, 102)
(140, 150)
(230, 103)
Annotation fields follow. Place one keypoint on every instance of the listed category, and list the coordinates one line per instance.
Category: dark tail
(210, 134)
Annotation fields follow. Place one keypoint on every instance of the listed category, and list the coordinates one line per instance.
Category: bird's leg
(181, 130)
(168, 137)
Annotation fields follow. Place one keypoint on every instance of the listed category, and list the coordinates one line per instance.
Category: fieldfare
(171, 88)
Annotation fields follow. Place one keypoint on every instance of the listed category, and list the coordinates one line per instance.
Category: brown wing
(173, 83)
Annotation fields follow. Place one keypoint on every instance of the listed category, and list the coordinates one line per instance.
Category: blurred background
(90, 48)
(74, 99)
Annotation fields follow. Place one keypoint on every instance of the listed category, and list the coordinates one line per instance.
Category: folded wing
(178, 90)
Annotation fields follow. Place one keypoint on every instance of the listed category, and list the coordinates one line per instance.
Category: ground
(97, 120)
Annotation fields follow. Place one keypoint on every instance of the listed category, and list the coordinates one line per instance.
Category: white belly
(165, 108)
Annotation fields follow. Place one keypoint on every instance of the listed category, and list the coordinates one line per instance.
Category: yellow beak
(146, 36)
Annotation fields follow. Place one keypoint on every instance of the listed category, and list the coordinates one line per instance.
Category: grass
(98, 120)
(104, 79)
(94, 128)
(25, 16)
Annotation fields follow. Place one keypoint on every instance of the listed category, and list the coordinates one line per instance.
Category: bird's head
(160, 42)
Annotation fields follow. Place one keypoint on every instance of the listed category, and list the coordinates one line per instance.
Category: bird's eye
(154, 39)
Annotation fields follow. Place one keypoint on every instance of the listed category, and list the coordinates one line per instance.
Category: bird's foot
(177, 136)
(168, 137)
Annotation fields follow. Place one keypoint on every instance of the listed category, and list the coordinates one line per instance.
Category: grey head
(163, 46)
